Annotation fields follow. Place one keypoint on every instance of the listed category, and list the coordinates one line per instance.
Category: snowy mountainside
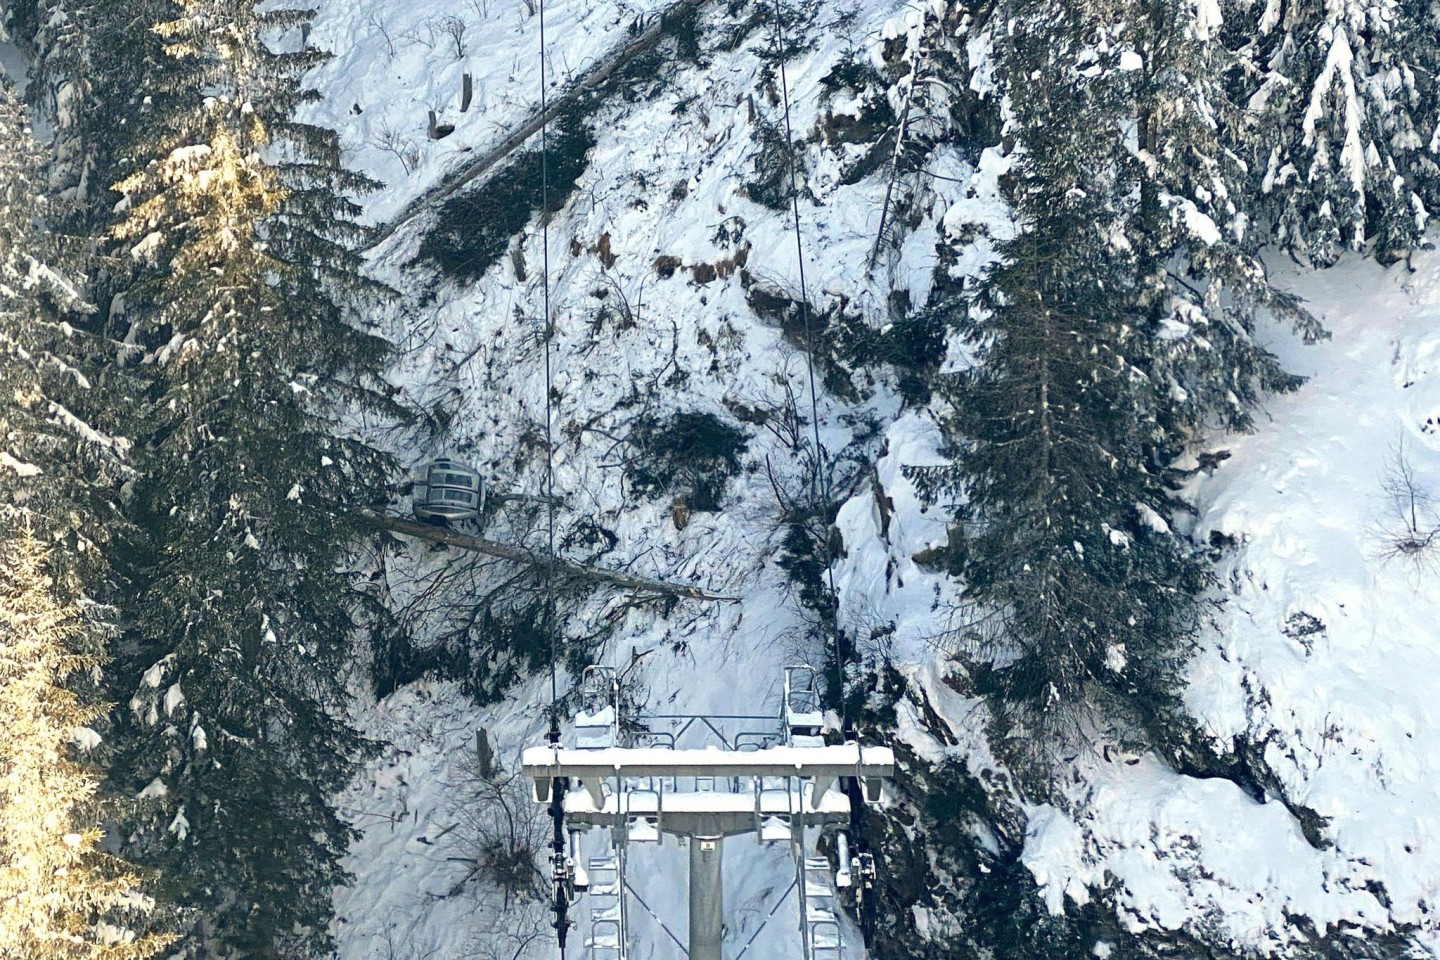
(1314, 665)
(1315, 674)
(663, 181)
(1323, 659)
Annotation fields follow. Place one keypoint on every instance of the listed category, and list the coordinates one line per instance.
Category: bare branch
(563, 568)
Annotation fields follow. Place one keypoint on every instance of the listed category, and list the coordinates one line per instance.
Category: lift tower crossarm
(821, 764)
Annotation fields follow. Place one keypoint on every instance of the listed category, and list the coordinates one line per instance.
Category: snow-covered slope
(1320, 659)
(1318, 667)
(1325, 658)
(665, 180)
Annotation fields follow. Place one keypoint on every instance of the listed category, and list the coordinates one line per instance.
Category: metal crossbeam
(823, 764)
(773, 783)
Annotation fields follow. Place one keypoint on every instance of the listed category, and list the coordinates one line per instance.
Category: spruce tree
(1184, 212)
(1083, 597)
(93, 69)
(60, 897)
(243, 615)
(1114, 330)
(53, 448)
(1341, 121)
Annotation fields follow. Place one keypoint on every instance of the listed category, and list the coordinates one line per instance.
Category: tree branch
(564, 569)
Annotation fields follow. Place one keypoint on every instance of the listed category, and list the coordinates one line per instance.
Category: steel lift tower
(774, 782)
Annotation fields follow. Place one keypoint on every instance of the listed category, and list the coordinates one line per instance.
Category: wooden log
(883, 503)
(564, 569)
(484, 755)
(647, 40)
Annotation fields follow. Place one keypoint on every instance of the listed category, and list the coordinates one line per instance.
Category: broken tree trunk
(646, 40)
(564, 569)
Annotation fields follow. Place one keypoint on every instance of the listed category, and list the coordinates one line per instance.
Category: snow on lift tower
(803, 713)
(788, 784)
(448, 492)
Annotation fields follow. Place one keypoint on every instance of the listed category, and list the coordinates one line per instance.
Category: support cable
(656, 917)
(822, 486)
(561, 870)
(549, 384)
(821, 482)
(779, 902)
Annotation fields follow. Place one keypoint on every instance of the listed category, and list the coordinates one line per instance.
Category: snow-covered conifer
(56, 460)
(61, 898)
(1341, 121)
(1082, 596)
(1114, 330)
(243, 615)
(1184, 217)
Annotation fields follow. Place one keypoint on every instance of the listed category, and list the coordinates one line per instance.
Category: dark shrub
(691, 454)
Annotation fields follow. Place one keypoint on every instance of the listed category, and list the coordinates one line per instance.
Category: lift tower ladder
(603, 795)
(819, 921)
(597, 727)
(606, 895)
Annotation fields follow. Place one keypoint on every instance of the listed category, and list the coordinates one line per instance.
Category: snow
(144, 251)
(180, 824)
(1337, 77)
(1208, 19)
(1270, 17)
(1322, 653)
(1347, 711)
(156, 674)
(1196, 222)
(19, 467)
(85, 432)
(154, 790)
(174, 698)
(1345, 715)
(1151, 835)
(395, 63)
(85, 739)
(697, 762)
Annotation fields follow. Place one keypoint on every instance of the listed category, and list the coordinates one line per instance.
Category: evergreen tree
(54, 462)
(1085, 596)
(1186, 221)
(1341, 122)
(93, 67)
(60, 897)
(242, 613)
(1114, 329)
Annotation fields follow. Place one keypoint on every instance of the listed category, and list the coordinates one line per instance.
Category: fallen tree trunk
(645, 41)
(564, 569)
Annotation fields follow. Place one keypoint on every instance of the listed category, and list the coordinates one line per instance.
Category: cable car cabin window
(457, 496)
(454, 480)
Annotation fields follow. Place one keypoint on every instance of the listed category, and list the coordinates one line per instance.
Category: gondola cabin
(448, 492)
